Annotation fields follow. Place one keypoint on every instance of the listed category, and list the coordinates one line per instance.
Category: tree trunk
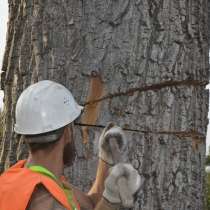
(140, 63)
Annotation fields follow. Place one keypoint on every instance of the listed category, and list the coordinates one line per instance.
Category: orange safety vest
(18, 183)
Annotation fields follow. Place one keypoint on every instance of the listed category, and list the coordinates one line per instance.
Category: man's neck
(52, 162)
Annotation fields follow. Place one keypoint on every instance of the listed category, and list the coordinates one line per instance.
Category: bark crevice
(152, 87)
(181, 134)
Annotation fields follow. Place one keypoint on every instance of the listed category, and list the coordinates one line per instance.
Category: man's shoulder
(43, 199)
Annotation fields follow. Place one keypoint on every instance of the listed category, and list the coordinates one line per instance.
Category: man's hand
(115, 193)
(111, 133)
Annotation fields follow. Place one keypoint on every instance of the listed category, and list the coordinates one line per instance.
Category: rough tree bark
(140, 63)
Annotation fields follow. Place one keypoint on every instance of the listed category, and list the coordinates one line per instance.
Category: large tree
(140, 63)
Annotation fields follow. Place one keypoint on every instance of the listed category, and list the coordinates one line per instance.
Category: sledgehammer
(126, 198)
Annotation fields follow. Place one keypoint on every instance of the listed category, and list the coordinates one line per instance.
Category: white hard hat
(44, 107)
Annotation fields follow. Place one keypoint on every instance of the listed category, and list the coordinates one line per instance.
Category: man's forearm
(96, 192)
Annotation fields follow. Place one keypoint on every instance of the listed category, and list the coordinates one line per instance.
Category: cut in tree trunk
(140, 63)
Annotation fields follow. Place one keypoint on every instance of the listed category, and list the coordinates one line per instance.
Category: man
(45, 113)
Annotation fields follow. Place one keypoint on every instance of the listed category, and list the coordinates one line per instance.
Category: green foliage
(208, 160)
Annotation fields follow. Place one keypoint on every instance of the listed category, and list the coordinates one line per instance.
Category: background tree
(140, 63)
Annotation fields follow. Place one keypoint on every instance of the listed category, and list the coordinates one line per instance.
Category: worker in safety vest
(45, 112)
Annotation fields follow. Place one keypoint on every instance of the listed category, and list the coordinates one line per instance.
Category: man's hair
(43, 141)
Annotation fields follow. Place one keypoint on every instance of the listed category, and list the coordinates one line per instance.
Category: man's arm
(105, 160)
(90, 200)
(96, 191)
